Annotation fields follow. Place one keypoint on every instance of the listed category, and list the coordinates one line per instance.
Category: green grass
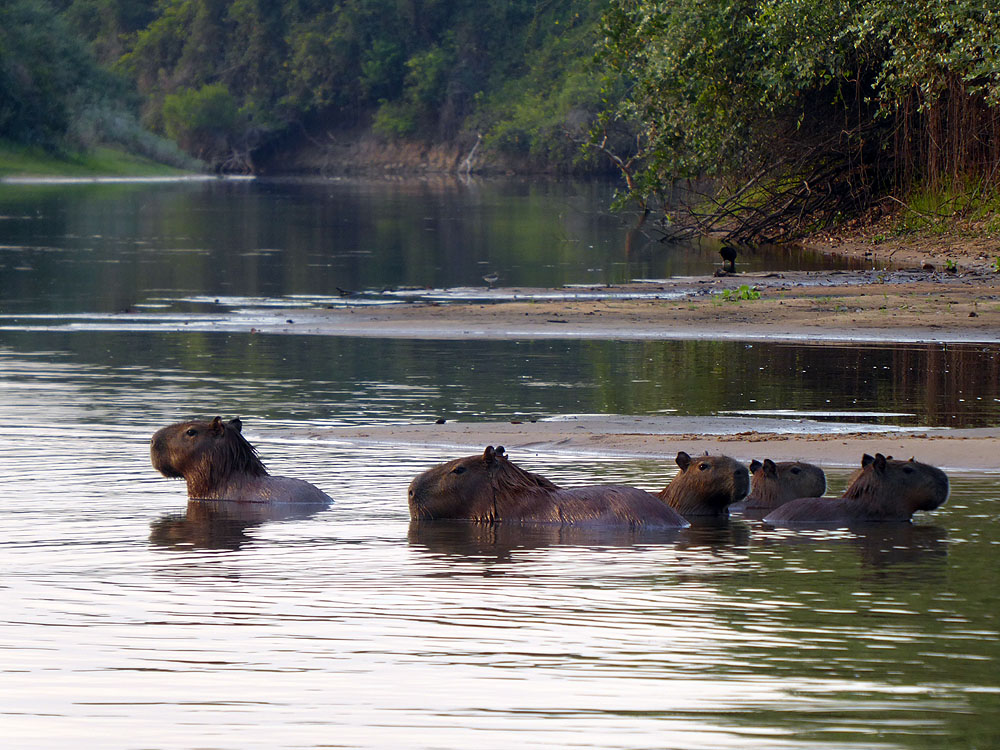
(32, 161)
(961, 206)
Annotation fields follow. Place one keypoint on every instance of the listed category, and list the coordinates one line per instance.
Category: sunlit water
(134, 620)
(132, 617)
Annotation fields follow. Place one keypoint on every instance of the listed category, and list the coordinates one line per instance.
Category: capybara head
(206, 454)
(706, 485)
(471, 488)
(898, 488)
(773, 484)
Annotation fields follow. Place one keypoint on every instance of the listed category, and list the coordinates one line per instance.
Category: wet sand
(810, 307)
(899, 306)
(870, 306)
(653, 437)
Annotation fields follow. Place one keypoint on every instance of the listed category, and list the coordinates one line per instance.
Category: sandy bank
(662, 437)
(831, 306)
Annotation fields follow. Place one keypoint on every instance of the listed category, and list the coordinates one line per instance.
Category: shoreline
(829, 307)
(959, 450)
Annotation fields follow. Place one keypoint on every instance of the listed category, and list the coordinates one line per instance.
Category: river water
(133, 620)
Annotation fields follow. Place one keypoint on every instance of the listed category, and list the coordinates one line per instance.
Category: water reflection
(878, 545)
(220, 524)
(353, 622)
(333, 381)
(108, 248)
(480, 541)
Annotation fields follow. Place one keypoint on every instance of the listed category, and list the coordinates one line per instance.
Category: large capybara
(218, 463)
(772, 484)
(706, 486)
(883, 490)
(489, 488)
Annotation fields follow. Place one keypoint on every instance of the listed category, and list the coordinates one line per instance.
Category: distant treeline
(224, 77)
(794, 111)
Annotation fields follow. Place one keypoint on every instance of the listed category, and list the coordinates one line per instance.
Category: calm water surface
(132, 616)
(104, 248)
(138, 620)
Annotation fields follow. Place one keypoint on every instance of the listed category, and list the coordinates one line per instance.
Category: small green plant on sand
(743, 292)
(996, 264)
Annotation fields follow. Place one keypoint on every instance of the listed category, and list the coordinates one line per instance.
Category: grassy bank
(32, 161)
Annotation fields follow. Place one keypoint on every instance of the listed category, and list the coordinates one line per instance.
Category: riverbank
(969, 450)
(17, 161)
(801, 306)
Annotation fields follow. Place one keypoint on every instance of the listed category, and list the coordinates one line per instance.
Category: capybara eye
(704, 467)
(907, 470)
(458, 470)
(192, 432)
(796, 470)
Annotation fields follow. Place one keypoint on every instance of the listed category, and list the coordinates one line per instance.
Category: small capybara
(772, 484)
(883, 490)
(489, 488)
(218, 463)
(706, 486)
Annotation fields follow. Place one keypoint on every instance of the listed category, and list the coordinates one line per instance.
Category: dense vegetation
(781, 115)
(224, 77)
(804, 110)
(55, 96)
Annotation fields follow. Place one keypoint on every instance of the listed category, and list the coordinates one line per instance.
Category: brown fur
(883, 490)
(774, 484)
(491, 489)
(218, 463)
(706, 486)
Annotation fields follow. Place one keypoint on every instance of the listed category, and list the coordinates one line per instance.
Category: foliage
(46, 74)
(423, 69)
(741, 293)
(801, 110)
(201, 120)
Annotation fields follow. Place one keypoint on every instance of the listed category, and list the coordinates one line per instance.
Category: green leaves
(725, 89)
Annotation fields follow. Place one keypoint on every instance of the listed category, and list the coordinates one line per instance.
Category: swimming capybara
(883, 490)
(218, 463)
(489, 488)
(772, 484)
(706, 486)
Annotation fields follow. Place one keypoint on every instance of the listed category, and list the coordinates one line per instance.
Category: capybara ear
(217, 426)
(236, 423)
(913, 459)
(500, 453)
(866, 459)
(879, 462)
(683, 460)
(770, 468)
(754, 465)
(489, 454)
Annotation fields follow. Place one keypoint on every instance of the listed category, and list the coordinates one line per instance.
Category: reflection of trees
(220, 524)
(275, 376)
(933, 381)
(497, 542)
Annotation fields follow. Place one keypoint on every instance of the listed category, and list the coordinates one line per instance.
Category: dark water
(105, 248)
(355, 381)
(135, 618)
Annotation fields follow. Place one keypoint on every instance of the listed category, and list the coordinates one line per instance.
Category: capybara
(489, 488)
(218, 463)
(884, 490)
(772, 484)
(706, 486)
